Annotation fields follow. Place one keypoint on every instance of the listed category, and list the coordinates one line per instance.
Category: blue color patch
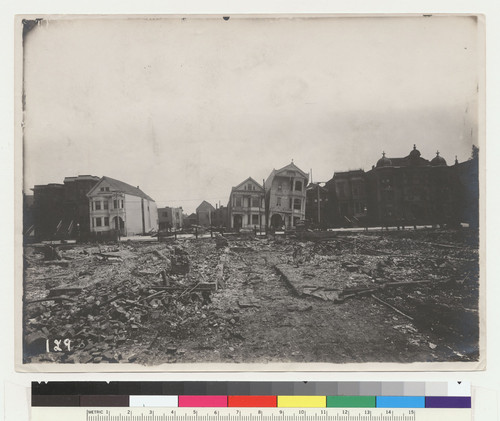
(400, 401)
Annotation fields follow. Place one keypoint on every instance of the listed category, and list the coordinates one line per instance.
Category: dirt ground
(400, 296)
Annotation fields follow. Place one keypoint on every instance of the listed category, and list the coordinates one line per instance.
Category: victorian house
(286, 196)
(246, 206)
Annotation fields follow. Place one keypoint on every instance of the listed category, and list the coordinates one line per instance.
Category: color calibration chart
(251, 401)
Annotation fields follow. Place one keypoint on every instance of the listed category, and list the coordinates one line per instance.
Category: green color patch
(350, 402)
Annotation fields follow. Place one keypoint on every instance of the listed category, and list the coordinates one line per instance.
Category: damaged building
(286, 196)
(170, 218)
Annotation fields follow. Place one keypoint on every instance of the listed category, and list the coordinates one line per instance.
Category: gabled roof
(243, 183)
(205, 204)
(289, 167)
(120, 186)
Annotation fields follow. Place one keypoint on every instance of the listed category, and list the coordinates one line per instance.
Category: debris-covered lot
(402, 296)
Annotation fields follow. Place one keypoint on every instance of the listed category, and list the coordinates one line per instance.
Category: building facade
(286, 196)
(220, 216)
(205, 214)
(246, 205)
(170, 218)
(412, 190)
(76, 213)
(61, 211)
(347, 199)
(317, 210)
(48, 210)
(119, 207)
(401, 191)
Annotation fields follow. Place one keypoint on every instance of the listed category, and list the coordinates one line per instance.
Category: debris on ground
(359, 297)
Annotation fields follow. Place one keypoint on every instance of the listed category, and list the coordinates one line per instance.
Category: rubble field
(398, 296)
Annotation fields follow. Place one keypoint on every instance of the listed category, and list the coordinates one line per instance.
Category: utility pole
(319, 210)
(265, 207)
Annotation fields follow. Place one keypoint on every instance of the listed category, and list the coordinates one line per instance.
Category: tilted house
(286, 196)
(115, 205)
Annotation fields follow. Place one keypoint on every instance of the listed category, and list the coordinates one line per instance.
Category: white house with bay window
(115, 205)
(246, 205)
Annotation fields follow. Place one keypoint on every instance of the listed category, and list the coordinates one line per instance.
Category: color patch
(154, 401)
(350, 402)
(448, 402)
(400, 402)
(252, 401)
(55, 400)
(104, 400)
(301, 401)
(203, 401)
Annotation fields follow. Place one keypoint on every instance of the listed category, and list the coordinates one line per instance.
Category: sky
(187, 108)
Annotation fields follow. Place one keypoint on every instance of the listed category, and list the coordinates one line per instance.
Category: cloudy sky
(188, 108)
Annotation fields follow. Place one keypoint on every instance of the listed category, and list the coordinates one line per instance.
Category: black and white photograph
(281, 192)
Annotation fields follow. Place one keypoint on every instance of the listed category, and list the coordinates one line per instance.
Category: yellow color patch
(301, 401)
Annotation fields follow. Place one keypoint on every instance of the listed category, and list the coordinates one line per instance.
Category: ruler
(249, 414)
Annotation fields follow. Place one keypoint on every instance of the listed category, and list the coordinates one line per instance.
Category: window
(290, 203)
(297, 204)
(106, 221)
(121, 204)
(165, 214)
(249, 221)
(102, 188)
(255, 202)
(98, 222)
(278, 201)
(298, 186)
(237, 201)
(106, 204)
(250, 186)
(255, 219)
(115, 204)
(98, 205)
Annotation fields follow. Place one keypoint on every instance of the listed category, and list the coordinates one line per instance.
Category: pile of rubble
(118, 302)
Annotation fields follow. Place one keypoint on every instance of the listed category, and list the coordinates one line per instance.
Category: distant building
(170, 218)
(347, 199)
(76, 213)
(317, 205)
(190, 220)
(468, 174)
(412, 190)
(118, 206)
(221, 216)
(246, 205)
(204, 213)
(61, 211)
(408, 190)
(48, 209)
(286, 196)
